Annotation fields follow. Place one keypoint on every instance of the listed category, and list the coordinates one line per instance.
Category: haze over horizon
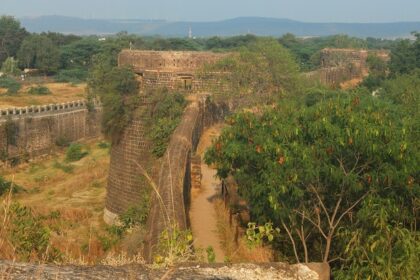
(195, 10)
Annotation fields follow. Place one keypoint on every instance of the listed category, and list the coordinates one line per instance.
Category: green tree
(38, 51)
(117, 89)
(312, 171)
(11, 36)
(262, 71)
(10, 66)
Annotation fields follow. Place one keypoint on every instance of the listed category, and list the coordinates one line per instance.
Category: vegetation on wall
(117, 89)
(263, 71)
(164, 116)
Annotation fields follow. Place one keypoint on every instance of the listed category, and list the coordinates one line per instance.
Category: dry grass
(234, 243)
(78, 197)
(61, 92)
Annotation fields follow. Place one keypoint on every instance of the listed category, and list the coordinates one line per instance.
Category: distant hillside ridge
(238, 26)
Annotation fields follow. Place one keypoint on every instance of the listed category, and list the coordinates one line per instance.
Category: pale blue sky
(209, 10)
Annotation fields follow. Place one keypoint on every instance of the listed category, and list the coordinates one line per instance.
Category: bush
(75, 152)
(71, 76)
(67, 168)
(62, 141)
(30, 238)
(10, 84)
(39, 90)
(165, 117)
(6, 185)
(104, 145)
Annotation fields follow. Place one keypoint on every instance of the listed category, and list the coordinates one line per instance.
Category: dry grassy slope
(78, 196)
(61, 92)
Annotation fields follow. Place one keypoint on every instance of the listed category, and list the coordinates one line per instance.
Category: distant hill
(237, 26)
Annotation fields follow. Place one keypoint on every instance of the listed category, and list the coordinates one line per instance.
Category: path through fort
(202, 213)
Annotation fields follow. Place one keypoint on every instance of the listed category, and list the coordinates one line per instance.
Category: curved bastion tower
(131, 156)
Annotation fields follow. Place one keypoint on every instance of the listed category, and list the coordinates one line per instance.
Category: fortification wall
(175, 70)
(341, 65)
(32, 131)
(174, 183)
(131, 158)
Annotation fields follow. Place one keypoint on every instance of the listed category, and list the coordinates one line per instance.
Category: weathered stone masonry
(36, 129)
(131, 156)
(341, 65)
(175, 70)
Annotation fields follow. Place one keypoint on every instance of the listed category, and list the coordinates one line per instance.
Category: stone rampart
(341, 65)
(34, 130)
(175, 70)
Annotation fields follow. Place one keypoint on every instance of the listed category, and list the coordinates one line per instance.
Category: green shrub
(62, 141)
(104, 145)
(39, 90)
(67, 168)
(75, 152)
(12, 85)
(6, 185)
(10, 67)
(75, 76)
(29, 237)
(165, 117)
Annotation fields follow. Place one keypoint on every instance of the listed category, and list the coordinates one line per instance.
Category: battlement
(175, 70)
(42, 109)
(168, 61)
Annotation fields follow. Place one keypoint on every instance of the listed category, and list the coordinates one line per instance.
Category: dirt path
(202, 212)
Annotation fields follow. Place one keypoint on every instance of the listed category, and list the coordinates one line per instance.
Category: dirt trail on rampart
(202, 212)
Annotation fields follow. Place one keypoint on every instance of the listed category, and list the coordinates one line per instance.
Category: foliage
(5, 187)
(378, 245)
(75, 152)
(137, 215)
(405, 56)
(211, 255)
(174, 246)
(10, 67)
(378, 69)
(39, 90)
(67, 168)
(310, 170)
(104, 145)
(264, 69)
(118, 90)
(11, 36)
(307, 51)
(38, 51)
(30, 238)
(255, 235)
(75, 75)
(165, 115)
(62, 141)
(10, 84)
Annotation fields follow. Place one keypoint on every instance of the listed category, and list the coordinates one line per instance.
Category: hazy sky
(205, 10)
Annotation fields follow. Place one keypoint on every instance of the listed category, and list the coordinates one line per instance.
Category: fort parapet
(31, 131)
(341, 65)
(176, 70)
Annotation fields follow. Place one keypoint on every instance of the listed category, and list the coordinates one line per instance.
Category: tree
(117, 89)
(11, 36)
(38, 51)
(262, 71)
(10, 66)
(312, 171)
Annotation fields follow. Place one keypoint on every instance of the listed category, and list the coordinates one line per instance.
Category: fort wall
(341, 65)
(175, 70)
(34, 130)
